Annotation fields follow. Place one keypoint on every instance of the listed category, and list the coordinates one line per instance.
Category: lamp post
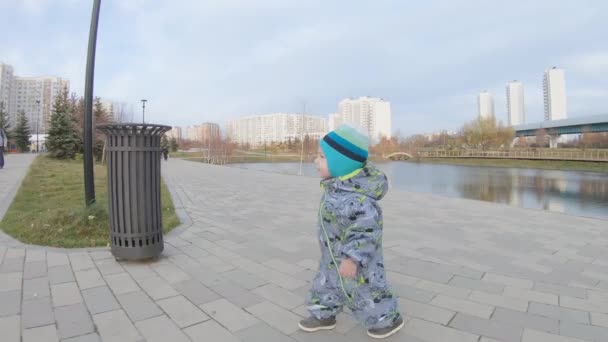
(37, 133)
(302, 138)
(89, 184)
(143, 110)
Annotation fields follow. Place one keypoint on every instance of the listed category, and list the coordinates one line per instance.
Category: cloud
(590, 93)
(39, 7)
(132, 5)
(590, 63)
(218, 59)
(588, 101)
(34, 6)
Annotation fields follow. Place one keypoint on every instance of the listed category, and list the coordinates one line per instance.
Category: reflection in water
(486, 187)
(594, 188)
(515, 198)
(575, 193)
(549, 190)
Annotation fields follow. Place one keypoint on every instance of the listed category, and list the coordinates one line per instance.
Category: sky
(214, 60)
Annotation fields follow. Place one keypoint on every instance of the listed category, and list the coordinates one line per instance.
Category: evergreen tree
(289, 144)
(62, 141)
(164, 142)
(174, 145)
(22, 133)
(4, 123)
(100, 112)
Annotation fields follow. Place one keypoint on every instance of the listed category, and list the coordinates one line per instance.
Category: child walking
(351, 270)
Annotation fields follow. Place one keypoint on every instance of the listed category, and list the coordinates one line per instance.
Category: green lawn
(49, 207)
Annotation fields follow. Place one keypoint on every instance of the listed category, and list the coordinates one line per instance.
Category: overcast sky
(211, 60)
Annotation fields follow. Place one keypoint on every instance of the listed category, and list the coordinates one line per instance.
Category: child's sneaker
(388, 331)
(312, 324)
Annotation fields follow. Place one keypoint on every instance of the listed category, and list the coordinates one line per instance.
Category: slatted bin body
(133, 160)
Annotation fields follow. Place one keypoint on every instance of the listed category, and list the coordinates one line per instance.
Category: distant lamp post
(37, 120)
(143, 110)
(302, 137)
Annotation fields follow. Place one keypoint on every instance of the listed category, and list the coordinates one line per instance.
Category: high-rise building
(370, 113)
(280, 127)
(515, 103)
(6, 85)
(175, 133)
(209, 131)
(33, 95)
(203, 133)
(485, 104)
(554, 89)
(192, 133)
(334, 121)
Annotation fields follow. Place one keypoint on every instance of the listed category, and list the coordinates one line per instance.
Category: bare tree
(385, 146)
(219, 150)
(522, 142)
(541, 137)
(122, 112)
(593, 140)
(486, 133)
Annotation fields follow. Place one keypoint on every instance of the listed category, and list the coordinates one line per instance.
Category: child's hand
(348, 268)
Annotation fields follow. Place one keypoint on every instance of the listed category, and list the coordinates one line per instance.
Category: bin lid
(133, 129)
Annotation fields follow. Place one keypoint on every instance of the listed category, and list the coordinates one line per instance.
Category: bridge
(555, 128)
(398, 156)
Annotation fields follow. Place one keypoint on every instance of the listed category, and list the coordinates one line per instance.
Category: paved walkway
(464, 271)
(15, 169)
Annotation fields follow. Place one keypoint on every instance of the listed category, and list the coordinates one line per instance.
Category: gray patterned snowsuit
(350, 226)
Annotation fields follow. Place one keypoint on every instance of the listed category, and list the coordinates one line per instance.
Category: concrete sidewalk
(240, 270)
(11, 176)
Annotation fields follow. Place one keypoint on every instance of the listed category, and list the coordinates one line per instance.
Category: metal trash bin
(133, 159)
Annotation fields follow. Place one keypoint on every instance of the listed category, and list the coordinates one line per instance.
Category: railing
(582, 155)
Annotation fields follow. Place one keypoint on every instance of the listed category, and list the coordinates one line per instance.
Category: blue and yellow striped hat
(346, 150)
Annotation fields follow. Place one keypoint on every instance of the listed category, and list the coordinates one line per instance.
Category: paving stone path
(239, 267)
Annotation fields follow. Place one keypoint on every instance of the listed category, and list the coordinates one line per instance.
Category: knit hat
(346, 150)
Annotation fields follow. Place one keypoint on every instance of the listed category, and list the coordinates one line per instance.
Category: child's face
(321, 164)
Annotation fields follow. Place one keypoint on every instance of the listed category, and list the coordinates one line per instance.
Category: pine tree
(164, 142)
(4, 123)
(62, 142)
(100, 113)
(174, 144)
(289, 144)
(22, 133)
